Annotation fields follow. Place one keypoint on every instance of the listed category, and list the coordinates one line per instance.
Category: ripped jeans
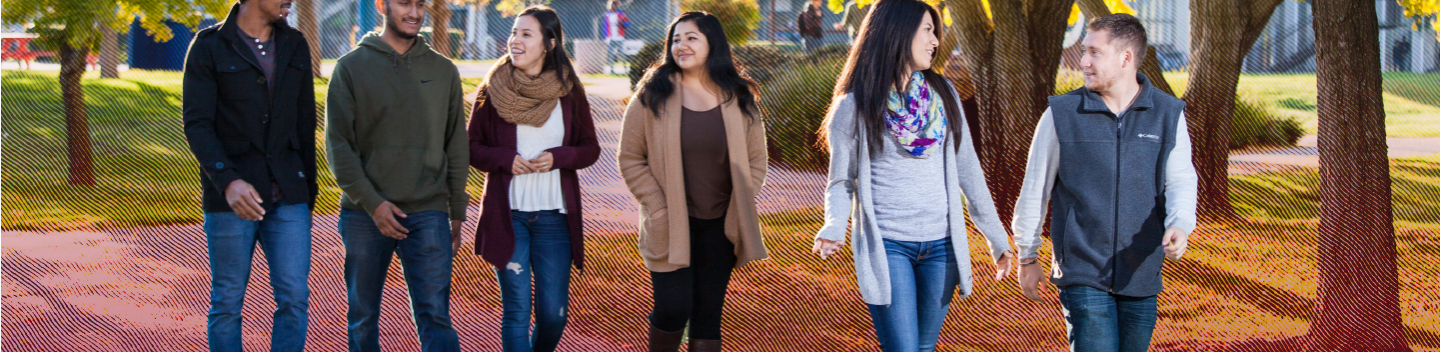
(542, 247)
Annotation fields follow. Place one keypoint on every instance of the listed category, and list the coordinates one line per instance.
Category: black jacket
(237, 128)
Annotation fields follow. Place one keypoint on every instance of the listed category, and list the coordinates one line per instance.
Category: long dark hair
(556, 60)
(877, 64)
(656, 86)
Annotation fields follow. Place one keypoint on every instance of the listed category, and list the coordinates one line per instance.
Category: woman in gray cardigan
(902, 164)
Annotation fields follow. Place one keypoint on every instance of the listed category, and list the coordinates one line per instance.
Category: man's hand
(385, 220)
(455, 226)
(1030, 276)
(1175, 242)
(1004, 265)
(839, 25)
(543, 163)
(244, 200)
(825, 248)
(521, 166)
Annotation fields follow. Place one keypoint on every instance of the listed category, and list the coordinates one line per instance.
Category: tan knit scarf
(519, 98)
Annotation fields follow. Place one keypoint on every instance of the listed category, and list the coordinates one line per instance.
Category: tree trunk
(77, 125)
(1221, 33)
(1358, 306)
(1012, 61)
(440, 27)
(307, 19)
(1150, 67)
(109, 53)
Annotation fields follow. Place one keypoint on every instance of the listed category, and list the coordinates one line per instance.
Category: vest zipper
(1115, 224)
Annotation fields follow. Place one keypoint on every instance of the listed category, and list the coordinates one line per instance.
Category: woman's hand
(521, 166)
(825, 248)
(1004, 265)
(543, 163)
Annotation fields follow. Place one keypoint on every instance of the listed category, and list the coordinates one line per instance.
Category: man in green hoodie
(395, 133)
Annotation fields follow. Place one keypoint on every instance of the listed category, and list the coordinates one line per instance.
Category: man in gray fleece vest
(1114, 158)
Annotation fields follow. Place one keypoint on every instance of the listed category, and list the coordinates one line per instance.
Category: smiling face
(403, 17)
(922, 46)
(527, 44)
(689, 47)
(1103, 62)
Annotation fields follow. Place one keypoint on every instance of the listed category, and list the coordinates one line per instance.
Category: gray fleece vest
(1109, 201)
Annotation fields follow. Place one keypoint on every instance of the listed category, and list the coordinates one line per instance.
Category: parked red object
(16, 46)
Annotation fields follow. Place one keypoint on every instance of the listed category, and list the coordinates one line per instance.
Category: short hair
(1124, 29)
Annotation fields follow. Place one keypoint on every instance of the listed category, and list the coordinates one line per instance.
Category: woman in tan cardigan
(692, 152)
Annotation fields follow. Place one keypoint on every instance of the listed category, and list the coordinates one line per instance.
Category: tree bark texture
(1359, 308)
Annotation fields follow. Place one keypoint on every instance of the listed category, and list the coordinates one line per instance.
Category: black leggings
(696, 294)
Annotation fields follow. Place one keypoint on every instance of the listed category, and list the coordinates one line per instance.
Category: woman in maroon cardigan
(529, 132)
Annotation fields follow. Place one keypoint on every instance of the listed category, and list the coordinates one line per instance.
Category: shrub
(739, 17)
(1257, 124)
(762, 62)
(648, 55)
(793, 106)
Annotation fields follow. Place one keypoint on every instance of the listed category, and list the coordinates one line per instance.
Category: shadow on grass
(1268, 298)
(1422, 88)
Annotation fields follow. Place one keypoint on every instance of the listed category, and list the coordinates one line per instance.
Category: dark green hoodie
(395, 129)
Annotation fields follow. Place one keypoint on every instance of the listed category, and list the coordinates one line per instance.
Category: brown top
(649, 159)
(706, 162)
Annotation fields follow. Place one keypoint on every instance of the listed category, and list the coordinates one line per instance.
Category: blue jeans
(284, 235)
(1101, 321)
(923, 276)
(542, 247)
(427, 260)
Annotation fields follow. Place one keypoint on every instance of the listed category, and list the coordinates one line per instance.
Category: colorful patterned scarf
(917, 119)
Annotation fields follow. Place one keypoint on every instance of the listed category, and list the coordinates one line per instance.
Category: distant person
(1112, 160)
(396, 143)
(852, 17)
(812, 34)
(1401, 55)
(249, 114)
(530, 131)
(692, 152)
(613, 29)
(904, 171)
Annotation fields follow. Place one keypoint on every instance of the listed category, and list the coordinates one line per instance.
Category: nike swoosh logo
(426, 81)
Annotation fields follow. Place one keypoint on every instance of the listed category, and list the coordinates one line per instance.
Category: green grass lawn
(147, 175)
(145, 172)
(1412, 100)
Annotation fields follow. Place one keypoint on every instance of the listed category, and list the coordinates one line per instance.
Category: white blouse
(538, 191)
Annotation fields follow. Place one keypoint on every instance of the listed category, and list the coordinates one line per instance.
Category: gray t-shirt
(910, 195)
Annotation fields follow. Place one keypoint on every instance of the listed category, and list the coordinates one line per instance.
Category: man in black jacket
(249, 109)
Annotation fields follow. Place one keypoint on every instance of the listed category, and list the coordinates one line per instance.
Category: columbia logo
(1149, 136)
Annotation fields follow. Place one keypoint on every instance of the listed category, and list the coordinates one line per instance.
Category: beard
(392, 25)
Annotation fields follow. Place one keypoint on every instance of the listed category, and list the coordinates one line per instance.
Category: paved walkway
(146, 289)
(1306, 154)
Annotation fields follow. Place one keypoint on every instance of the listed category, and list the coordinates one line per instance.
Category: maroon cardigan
(492, 151)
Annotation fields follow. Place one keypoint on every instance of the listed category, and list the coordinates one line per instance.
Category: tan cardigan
(655, 177)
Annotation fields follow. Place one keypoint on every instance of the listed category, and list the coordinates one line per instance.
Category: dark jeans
(812, 43)
(696, 294)
(923, 276)
(284, 235)
(542, 247)
(427, 259)
(1103, 322)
